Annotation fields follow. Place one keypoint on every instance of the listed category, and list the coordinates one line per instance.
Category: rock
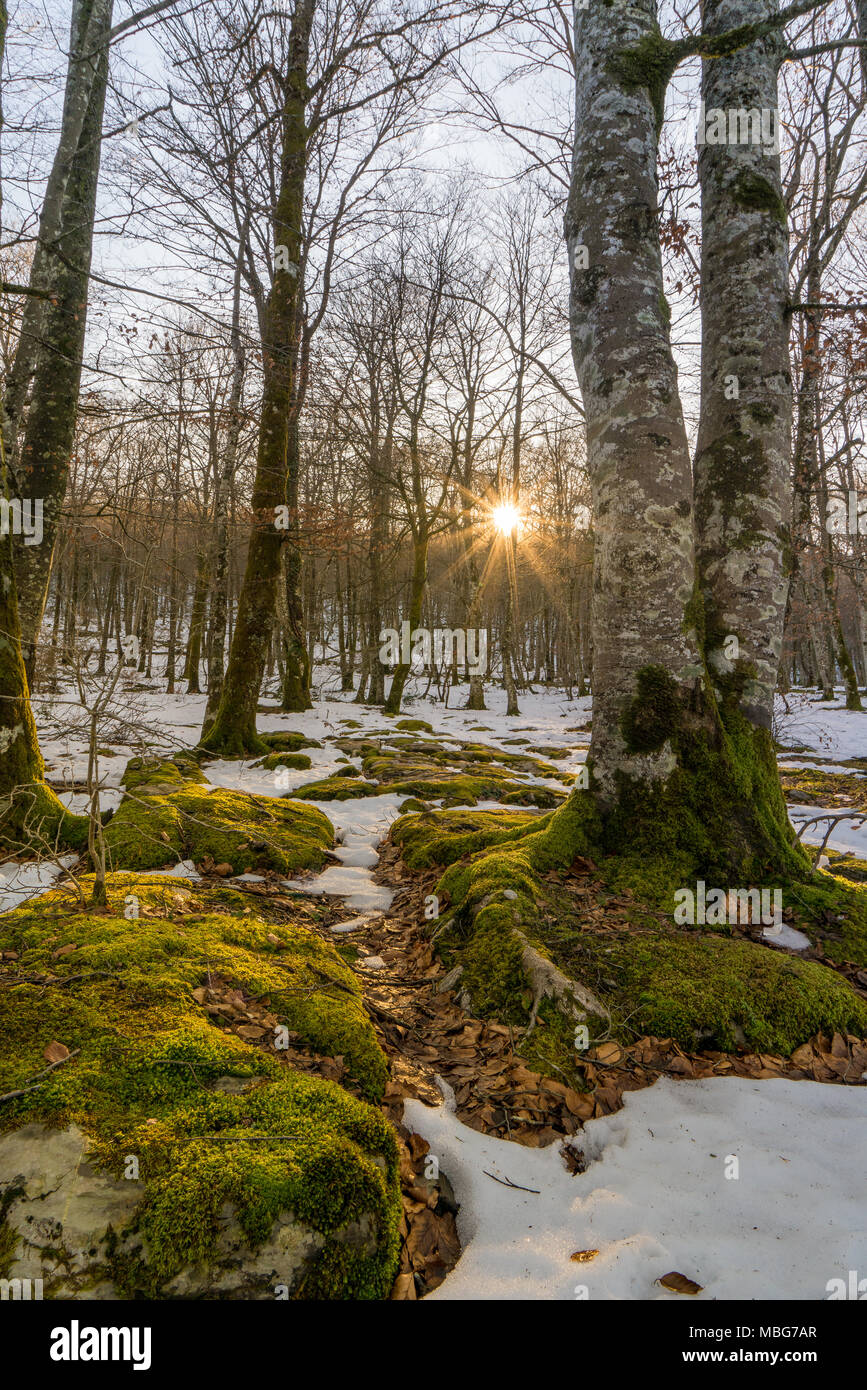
(450, 980)
(75, 1225)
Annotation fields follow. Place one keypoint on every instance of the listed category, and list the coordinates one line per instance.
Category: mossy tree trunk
(222, 498)
(233, 731)
(296, 673)
(62, 268)
(193, 658)
(681, 770)
(30, 814)
(418, 580)
(743, 494)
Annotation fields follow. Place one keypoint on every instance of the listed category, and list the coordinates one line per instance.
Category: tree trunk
(54, 362)
(661, 749)
(193, 658)
(416, 599)
(30, 814)
(233, 732)
(296, 674)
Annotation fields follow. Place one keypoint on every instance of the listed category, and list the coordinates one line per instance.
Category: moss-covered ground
(425, 768)
(127, 994)
(169, 814)
(513, 878)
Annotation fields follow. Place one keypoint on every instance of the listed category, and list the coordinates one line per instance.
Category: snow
(788, 937)
(847, 834)
(185, 869)
(21, 882)
(655, 1197)
(828, 729)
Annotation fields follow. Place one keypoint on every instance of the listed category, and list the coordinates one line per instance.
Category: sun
(505, 518)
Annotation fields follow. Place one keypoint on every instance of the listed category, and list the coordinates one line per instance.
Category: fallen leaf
(679, 1283)
(583, 1257)
(56, 1052)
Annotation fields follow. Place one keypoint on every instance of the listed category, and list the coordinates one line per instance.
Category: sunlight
(506, 518)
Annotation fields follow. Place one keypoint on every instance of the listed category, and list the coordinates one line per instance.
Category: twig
(507, 1182)
(10, 1095)
(234, 1138)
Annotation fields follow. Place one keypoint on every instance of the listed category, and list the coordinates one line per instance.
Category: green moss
(815, 787)
(666, 835)
(713, 991)
(649, 64)
(493, 974)
(848, 867)
(145, 834)
(289, 742)
(833, 912)
(415, 725)
(655, 713)
(35, 819)
(756, 193)
(328, 1174)
(142, 1081)
(442, 837)
(296, 760)
(160, 776)
(148, 831)
(153, 963)
(335, 789)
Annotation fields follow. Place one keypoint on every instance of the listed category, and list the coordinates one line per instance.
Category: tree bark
(661, 749)
(42, 466)
(233, 732)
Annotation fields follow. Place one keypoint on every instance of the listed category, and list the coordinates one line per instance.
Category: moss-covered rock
(288, 741)
(339, 788)
(813, 786)
(161, 822)
(224, 1132)
(439, 838)
(161, 776)
(300, 761)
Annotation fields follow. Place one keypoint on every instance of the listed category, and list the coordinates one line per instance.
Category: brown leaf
(583, 1257)
(679, 1283)
(56, 1052)
(64, 950)
(404, 1288)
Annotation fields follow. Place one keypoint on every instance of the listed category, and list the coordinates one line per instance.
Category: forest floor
(642, 1157)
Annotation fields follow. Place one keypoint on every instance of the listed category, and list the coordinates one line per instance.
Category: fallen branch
(507, 1182)
(11, 1095)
